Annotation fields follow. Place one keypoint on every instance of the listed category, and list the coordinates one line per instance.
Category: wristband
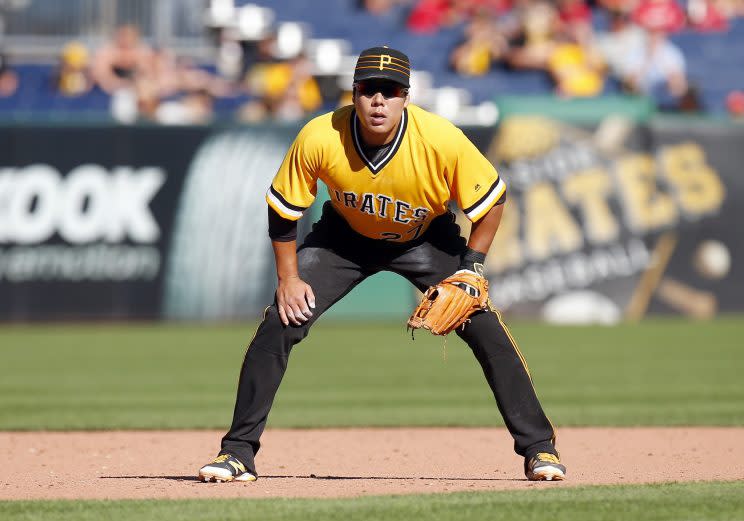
(473, 261)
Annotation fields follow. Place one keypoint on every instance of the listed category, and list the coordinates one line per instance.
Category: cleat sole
(546, 477)
(247, 476)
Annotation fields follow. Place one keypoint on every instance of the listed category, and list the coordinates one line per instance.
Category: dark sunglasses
(387, 89)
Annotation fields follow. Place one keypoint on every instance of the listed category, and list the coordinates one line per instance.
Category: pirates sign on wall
(598, 222)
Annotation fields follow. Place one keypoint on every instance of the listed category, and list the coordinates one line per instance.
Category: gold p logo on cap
(381, 63)
(385, 59)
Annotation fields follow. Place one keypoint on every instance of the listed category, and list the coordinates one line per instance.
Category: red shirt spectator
(735, 103)
(427, 16)
(478, 7)
(8, 78)
(575, 18)
(705, 16)
(574, 11)
(659, 15)
(619, 6)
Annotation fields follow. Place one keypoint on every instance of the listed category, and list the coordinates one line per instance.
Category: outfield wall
(603, 222)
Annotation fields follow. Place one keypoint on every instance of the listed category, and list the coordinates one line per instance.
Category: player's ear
(408, 99)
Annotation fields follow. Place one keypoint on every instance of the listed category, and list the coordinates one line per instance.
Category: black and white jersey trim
(376, 167)
(489, 198)
(283, 205)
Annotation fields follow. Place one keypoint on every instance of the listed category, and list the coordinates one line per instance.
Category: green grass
(661, 372)
(669, 502)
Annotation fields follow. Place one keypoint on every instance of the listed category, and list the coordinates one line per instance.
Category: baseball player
(391, 168)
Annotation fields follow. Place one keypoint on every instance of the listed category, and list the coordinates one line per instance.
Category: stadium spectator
(626, 6)
(704, 15)
(576, 70)
(178, 96)
(283, 90)
(193, 108)
(659, 64)
(74, 76)
(174, 75)
(428, 16)
(379, 7)
(535, 36)
(735, 104)
(8, 77)
(483, 45)
(122, 61)
(659, 15)
(469, 9)
(730, 8)
(146, 95)
(302, 95)
(165, 73)
(622, 38)
(576, 18)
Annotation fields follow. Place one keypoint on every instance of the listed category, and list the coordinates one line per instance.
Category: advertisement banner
(601, 224)
(613, 222)
(86, 214)
(221, 265)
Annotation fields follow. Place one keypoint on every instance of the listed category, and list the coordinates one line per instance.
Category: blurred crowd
(632, 53)
(146, 83)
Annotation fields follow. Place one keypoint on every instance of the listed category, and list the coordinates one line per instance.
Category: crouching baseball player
(391, 169)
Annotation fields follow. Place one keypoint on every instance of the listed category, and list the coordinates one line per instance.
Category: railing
(37, 29)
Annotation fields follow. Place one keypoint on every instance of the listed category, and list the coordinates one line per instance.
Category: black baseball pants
(333, 259)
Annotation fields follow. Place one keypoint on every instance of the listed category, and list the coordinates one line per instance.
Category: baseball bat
(651, 277)
(692, 302)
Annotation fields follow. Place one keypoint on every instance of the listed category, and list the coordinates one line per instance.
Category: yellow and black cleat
(225, 467)
(544, 466)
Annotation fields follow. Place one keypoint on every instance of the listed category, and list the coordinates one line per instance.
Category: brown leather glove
(450, 303)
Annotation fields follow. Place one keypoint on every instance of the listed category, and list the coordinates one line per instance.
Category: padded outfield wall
(604, 221)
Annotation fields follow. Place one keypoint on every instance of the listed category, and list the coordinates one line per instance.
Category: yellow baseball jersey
(430, 163)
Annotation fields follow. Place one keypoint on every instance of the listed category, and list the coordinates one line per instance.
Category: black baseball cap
(383, 63)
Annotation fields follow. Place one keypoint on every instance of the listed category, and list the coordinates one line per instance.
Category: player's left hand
(450, 303)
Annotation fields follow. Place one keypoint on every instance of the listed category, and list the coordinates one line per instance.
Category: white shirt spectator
(614, 46)
(660, 62)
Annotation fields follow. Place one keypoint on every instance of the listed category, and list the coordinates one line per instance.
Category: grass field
(660, 372)
(669, 502)
(664, 372)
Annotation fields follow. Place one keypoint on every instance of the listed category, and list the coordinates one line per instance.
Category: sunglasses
(386, 88)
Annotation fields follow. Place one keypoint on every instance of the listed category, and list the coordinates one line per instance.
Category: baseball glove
(449, 304)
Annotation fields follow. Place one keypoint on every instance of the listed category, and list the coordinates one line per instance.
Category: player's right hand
(294, 301)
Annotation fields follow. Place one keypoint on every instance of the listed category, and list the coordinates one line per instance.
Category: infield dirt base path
(352, 462)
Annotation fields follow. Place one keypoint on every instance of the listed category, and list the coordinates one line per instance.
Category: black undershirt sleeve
(281, 229)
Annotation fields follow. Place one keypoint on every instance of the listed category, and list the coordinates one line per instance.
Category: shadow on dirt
(329, 478)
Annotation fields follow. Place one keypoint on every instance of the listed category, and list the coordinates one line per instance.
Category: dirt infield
(352, 462)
